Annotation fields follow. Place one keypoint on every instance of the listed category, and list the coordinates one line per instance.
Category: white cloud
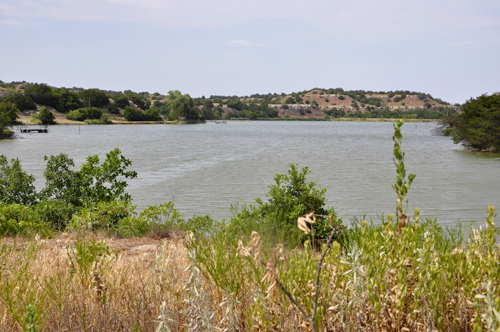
(239, 42)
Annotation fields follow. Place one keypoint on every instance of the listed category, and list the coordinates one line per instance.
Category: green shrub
(202, 225)
(289, 198)
(45, 116)
(134, 225)
(159, 219)
(20, 220)
(54, 213)
(15, 185)
(101, 216)
(75, 115)
(478, 126)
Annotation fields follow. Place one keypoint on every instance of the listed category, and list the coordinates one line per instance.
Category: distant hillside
(316, 103)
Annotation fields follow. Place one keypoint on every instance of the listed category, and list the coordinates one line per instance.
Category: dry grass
(159, 285)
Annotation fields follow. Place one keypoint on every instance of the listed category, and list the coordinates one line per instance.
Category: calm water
(206, 168)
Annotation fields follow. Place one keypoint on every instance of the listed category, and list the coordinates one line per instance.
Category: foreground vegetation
(285, 264)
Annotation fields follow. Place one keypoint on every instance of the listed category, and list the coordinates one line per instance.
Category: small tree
(478, 126)
(15, 185)
(94, 98)
(46, 116)
(181, 106)
(8, 115)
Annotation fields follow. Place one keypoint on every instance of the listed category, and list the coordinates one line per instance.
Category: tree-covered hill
(78, 104)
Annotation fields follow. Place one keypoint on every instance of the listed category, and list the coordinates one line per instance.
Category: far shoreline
(25, 120)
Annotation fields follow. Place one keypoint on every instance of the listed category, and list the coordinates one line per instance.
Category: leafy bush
(16, 187)
(100, 216)
(159, 220)
(76, 115)
(276, 221)
(113, 108)
(92, 184)
(20, 220)
(21, 101)
(152, 114)
(478, 126)
(132, 114)
(121, 101)
(45, 116)
(54, 214)
(94, 98)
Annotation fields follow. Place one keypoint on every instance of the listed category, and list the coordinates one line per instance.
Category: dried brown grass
(128, 295)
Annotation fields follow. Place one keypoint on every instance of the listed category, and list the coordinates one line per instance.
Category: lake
(206, 168)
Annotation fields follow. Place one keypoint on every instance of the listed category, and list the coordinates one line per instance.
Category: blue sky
(450, 49)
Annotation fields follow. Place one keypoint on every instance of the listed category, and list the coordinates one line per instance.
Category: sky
(450, 49)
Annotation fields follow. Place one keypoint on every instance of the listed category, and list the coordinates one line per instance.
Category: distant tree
(94, 98)
(138, 100)
(181, 106)
(208, 103)
(21, 101)
(46, 116)
(422, 96)
(390, 94)
(152, 114)
(341, 97)
(8, 116)
(93, 113)
(290, 100)
(478, 126)
(75, 115)
(42, 94)
(132, 114)
(113, 108)
(67, 100)
(121, 101)
(209, 113)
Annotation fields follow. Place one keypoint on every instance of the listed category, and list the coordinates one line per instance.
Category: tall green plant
(402, 185)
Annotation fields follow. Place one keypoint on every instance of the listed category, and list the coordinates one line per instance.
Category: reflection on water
(206, 168)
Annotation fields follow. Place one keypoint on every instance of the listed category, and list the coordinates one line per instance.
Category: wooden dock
(28, 130)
